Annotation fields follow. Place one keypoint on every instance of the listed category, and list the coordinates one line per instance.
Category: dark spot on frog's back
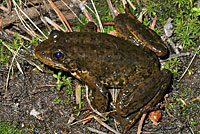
(137, 59)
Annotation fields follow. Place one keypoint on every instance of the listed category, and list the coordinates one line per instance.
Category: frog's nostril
(43, 52)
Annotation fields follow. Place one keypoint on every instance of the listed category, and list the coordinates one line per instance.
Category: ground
(36, 90)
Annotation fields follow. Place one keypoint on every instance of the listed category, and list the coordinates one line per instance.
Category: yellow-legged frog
(128, 62)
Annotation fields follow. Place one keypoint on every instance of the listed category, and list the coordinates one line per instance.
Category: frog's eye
(54, 32)
(58, 56)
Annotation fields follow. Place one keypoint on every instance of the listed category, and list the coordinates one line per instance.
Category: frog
(129, 62)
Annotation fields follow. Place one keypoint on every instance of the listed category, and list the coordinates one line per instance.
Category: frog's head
(52, 53)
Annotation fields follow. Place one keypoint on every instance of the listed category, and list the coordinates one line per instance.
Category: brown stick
(60, 15)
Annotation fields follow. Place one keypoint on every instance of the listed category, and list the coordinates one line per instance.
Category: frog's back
(105, 50)
(107, 57)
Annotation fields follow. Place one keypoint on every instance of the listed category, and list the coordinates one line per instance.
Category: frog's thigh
(131, 99)
(100, 94)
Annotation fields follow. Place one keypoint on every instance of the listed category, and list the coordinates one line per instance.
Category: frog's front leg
(101, 95)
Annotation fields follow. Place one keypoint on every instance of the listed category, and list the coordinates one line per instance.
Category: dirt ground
(35, 90)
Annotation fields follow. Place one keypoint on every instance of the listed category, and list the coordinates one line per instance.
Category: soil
(33, 90)
(37, 90)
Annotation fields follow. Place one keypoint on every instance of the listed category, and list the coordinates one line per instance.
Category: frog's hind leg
(132, 103)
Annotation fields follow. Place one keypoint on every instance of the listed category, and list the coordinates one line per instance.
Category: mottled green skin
(103, 61)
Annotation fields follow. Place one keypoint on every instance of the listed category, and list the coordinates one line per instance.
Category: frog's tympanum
(128, 62)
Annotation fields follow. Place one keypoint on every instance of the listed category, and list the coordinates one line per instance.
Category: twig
(197, 98)
(105, 125)
(11, 32)
(173, 45)
(95, 131)
(42, 86)
(141, 123)
(172, 56)
(188, 66)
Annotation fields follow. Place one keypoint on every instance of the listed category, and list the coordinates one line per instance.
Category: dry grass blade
(56, 26)
(124, 3)
(4, 8)
(90, 117)
(97, 16)
(112, 12)
(71, 119)
(80, 2)
(9, 5)
(27, 27)
(105, 125)
(188, 66)
(72, 12)
(60, 15)
(86, 13)
(131, 4)
(8, 76)
(152, 26)
(141, 14)
(16, 53)
(77, 93)
(100, 114)
(19, 67)
(29, 19)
